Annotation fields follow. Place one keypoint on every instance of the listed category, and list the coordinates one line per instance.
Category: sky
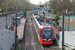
(37, 1)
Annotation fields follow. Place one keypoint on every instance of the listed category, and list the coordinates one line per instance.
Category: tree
(60, 6)
(56, 22)
(21, 5)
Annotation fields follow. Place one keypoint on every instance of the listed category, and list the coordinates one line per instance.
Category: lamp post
(16, 27)
(16, 33)
(6, 17)
(68, 21)
(68, 16)
(63, 32)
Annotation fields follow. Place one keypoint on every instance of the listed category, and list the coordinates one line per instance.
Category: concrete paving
(20, 29)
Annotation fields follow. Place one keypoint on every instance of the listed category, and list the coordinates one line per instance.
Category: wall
(7, 38)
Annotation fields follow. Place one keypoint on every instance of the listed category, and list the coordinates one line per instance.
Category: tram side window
(41, 33)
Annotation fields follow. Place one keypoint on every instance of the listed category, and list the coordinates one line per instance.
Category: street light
(63, 32)
(6, 17)
(16, 27)
(68, 21)
(68, 16)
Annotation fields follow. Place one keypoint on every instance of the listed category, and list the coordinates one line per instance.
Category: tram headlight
(50, 40)
(43, 41)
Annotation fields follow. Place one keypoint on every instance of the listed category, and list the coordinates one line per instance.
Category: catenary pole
(16, 28)
(63, 32)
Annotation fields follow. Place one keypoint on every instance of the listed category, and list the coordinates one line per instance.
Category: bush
(56, 22)
(56, 17)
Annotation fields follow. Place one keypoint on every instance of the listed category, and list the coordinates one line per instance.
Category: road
(71, 28)
(9, 20)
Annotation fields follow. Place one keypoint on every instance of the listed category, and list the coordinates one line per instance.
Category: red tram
(44, 30)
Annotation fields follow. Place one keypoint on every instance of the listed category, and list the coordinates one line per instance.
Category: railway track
(51, 47)
(54, 46)
(31, 42)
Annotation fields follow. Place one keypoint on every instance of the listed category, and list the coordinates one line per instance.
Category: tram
(44, 30)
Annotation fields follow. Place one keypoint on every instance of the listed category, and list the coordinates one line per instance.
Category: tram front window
(47, 33)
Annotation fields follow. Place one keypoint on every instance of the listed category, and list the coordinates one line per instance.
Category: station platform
(20, 29)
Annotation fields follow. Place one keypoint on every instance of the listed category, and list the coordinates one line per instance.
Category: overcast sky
(37, 1)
